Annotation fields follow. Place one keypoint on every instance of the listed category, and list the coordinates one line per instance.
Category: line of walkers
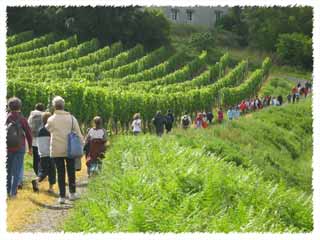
(203, 119)
(165, 122)
(50, 137)
(299, 91)
(54, 139)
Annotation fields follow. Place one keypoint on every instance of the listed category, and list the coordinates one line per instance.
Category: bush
(295, 49)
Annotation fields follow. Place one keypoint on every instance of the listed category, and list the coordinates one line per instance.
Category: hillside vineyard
(117, 82)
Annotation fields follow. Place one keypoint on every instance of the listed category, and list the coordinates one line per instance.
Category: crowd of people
(48, 135)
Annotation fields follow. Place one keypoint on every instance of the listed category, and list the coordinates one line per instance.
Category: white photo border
(315, 234)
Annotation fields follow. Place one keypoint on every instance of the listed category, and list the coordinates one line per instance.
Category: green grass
(276, 86)
(291, 71)
(28, 162)
(277, 140)
(253, 174)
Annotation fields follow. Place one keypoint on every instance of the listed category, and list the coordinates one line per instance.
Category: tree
(295, 49)
(130, 25)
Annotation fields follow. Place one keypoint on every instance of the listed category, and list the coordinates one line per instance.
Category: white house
(204, 16)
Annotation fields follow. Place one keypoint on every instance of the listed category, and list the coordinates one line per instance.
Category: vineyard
(249, 175)
(115, 82)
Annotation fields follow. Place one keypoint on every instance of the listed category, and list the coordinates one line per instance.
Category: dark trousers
(47, 168)
(159, 132)
(168, 127)
(61, 169)
(36, 159)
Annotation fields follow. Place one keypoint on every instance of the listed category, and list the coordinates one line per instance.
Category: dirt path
(40, 212)
(293, 79)
(51, 216)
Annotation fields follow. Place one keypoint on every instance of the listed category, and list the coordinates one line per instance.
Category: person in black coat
(169, 121)
(280, 100)
(159, 122)
(209, 116)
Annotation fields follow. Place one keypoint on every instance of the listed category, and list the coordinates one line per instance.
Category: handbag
(77, 164)
(74, 149)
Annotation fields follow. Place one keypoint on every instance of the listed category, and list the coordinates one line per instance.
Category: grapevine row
(51, 49)
(33, 44)
(19, 38)
(68, 62)
(232, 96)
(139, 65)
(118, 105)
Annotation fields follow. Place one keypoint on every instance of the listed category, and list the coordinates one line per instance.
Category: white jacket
(60, 125)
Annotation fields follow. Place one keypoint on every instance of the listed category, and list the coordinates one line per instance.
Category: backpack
(36, 124)
(15, 134)
(169, 119)
(185, 121)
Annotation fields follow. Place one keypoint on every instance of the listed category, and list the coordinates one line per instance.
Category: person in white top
(35, 123)
(95, 144)
(136, 124)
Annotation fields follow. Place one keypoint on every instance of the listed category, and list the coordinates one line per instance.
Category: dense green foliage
(277, 86)
(262, 28)
(33, 44)
(51, 49)
(233, 96)
(19, 38)
(295, 49)
(208, 180)
(133, 24)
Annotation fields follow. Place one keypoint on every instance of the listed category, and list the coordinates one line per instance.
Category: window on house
(218, 15)
(174, 14)
(189, 15)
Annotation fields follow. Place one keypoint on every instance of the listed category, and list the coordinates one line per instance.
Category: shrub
(295, 49)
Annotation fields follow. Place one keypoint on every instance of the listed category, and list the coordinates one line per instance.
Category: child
(230, 113)
(220, 115)
(185, 121)
(46, 164)
(136, 124)
(95, 145)
(199, 120)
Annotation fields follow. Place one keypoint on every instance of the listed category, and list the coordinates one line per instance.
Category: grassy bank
(253, 174)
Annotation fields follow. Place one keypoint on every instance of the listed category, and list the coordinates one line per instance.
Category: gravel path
(294, 79)
(50, 217)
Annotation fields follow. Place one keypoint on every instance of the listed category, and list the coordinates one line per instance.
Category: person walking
(159, 121)
(60, 124)
(46, 166)
(280, 100)
(210, 117)
(230, 113)
(96, 145)
(199, 120)
(185, 120)
(289, 97)
(169, 121)
(308, 86)
(204, 120)
(136, 124)
(18, 132)
(294, 91)
(220, 115)
(35, 123)
(243, 107)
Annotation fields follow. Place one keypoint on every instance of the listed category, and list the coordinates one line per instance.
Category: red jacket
(243, 106)
(13, 116)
